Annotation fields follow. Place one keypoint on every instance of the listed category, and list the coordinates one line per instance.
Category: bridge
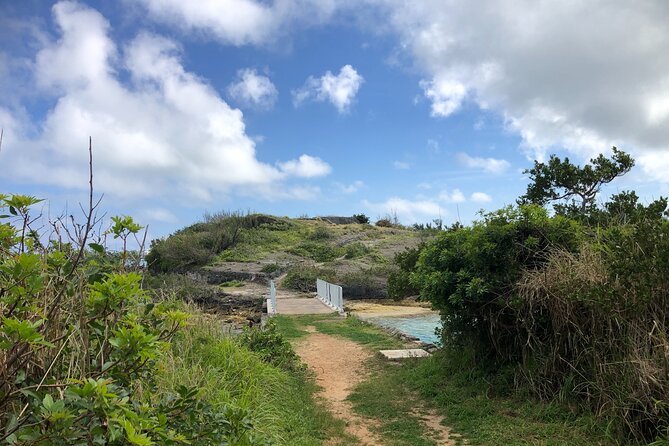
(329, 298)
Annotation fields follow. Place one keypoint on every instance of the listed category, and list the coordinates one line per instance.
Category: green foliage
(361, 219)
(356, 250)
(317, 250)
(271, 268)
(575, 304)
(303, 278)
(560, 180)
(232, 284)
(80, 341)
(268, 343)
(384, 223)
(469, 274)
(399, 284)
(198, 244)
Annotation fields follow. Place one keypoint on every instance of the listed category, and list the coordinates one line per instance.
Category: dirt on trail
(339, 365)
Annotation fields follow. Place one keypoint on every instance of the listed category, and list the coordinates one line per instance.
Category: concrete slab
(308, 305)
(404, 354)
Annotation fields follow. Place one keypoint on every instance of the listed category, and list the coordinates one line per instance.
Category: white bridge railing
(271, 302)
(331, 295)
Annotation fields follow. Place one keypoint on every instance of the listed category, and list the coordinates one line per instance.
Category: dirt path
(339, 365)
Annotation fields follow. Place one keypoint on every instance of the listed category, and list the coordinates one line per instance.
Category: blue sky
(296, 107)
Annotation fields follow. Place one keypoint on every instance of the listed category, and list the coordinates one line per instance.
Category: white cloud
(401, 165)
(252, 89)
(424, 186)
(599, 83)
(407, 210)
(340, 90)
(158, 214)
(165, 132)
(490, 165)
(243, 22)
(481, 197)
(350, 188)
(453, 197)
(306, 167)
(446, 96)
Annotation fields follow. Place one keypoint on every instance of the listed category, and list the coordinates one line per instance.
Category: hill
(229, 252)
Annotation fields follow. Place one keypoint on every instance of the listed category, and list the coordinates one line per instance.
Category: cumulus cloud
(490, 165)
(253, 90)
(406, 210)
(306, 167)
(452, 197)
(481, 197)
(165, 131)
(242, 22)
(340, 90)
(600, 83)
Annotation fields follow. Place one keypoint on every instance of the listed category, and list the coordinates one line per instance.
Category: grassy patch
(486, 414)
(281, 402)
(471, 403)
(232, 284)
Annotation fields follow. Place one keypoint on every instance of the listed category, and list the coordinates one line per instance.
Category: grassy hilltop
(231, 247)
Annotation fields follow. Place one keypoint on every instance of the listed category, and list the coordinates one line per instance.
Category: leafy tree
(560, 180)
(361, 219)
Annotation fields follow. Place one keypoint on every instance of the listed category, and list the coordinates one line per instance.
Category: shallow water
(421, 326)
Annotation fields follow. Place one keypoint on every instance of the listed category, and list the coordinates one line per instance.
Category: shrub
(320, 233)
(271, 268)
(318, 251)
(384, 223)
(356, 250)
(303, 278)
(399, 283)
(79, 345)
(272, 348)
(361, 219)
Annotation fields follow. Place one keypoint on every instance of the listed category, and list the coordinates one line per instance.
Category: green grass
(487, 412)
(281, 403)
(473, 405)
(232, 284)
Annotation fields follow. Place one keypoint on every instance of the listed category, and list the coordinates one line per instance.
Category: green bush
(271, 268)
(80, 341)
(356, 250)
(303, 278)
(317, 250)
(399, 283)
(268, 343)
(320, 233)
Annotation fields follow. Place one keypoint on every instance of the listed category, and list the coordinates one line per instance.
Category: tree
(560, 180)
(361, 219)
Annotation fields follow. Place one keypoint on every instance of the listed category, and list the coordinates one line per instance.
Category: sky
(421, 109)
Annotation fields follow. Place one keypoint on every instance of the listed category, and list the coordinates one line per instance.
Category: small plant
(303, 278)
(320, 233)
(361, 219)
(232, 284)
(356, 250)
(268, 343)
(271, 268)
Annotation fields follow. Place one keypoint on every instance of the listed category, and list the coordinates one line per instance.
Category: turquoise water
(422, 326)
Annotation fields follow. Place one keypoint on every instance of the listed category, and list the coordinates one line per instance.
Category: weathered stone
(395, 355)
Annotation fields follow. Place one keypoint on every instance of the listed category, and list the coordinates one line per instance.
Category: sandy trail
(339, 365)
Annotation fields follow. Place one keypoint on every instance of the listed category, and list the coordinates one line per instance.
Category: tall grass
(280, 402)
